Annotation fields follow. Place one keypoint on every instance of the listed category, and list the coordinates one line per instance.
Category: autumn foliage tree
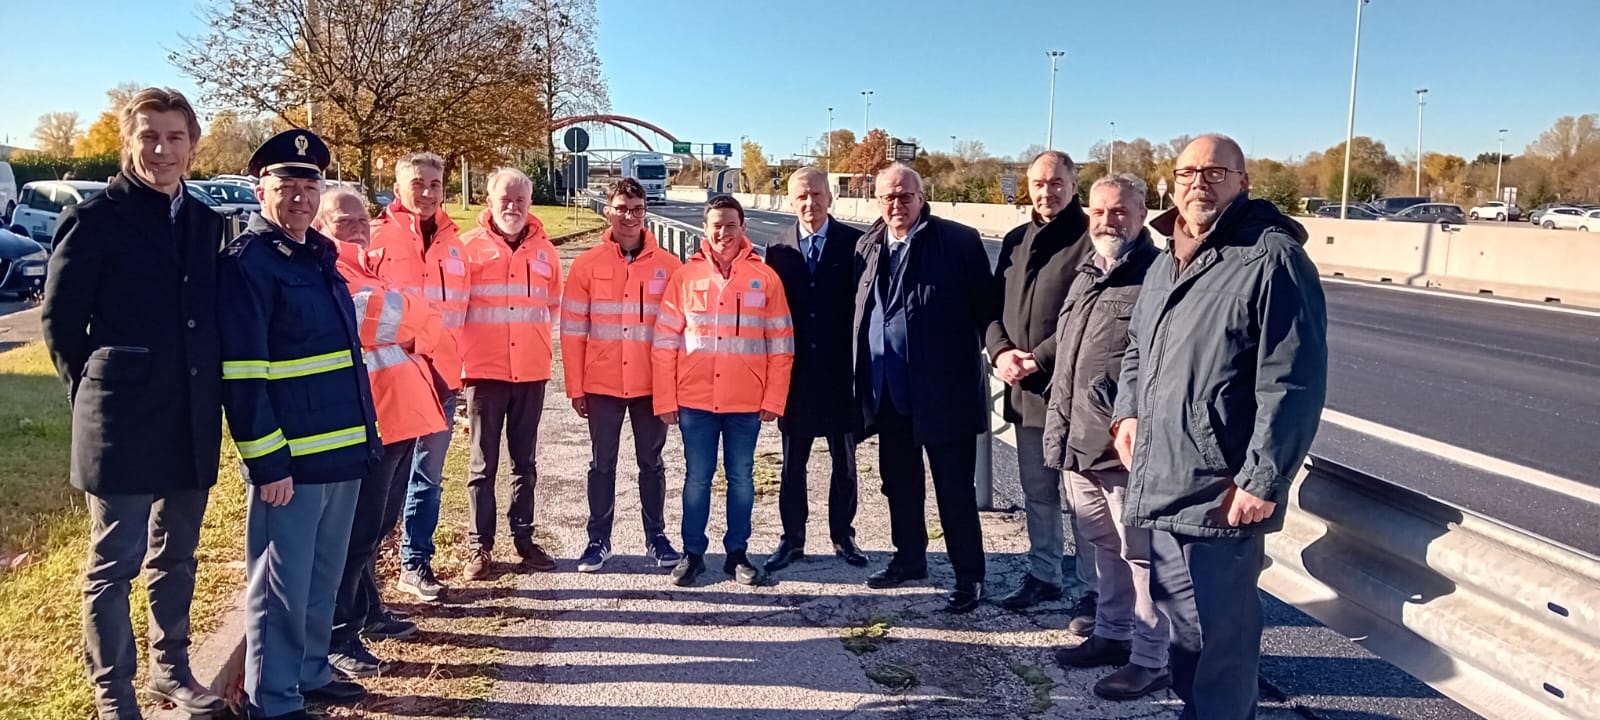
(56, 133)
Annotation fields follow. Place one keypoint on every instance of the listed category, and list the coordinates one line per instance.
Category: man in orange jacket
(514, 286)
(723, 349)
(423, 256)
(398, 333)
(608, 317)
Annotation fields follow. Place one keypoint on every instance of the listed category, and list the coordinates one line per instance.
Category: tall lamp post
(1111, 166)
(1050, 132)
(1422, 102)
(1499, 163)
(866, 96)
(1350, 124)
(829, 167)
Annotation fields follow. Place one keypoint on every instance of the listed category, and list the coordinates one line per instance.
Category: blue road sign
(1010, 199)
(722, 148)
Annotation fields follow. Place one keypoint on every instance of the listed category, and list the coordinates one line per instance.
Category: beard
(510, 224)
(1108, 244)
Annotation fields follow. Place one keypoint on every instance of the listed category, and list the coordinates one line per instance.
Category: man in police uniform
(300, 409)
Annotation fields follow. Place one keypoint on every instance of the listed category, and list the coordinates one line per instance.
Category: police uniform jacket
(294, 387)
(130, 322)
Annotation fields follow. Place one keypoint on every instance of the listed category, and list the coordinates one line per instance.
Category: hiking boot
(420, 581)
(687, 569)
(1131, 682)
(534, 557)
(594, 557)
(353, 660)
(1082, 623)
(1095, 652)
(479, 560)
(739, 566)
(660, 548)
(387, 627)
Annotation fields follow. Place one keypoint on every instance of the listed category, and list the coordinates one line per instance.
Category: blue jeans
(701, 431)
(422, 494)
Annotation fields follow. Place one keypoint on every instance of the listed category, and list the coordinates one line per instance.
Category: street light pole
(829, 167)
(1050, 133)
(1421, 102)
(1350, 124)
(866, 95)
(1111, 168)
(1499, 163)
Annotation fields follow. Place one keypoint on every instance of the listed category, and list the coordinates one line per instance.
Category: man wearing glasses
(608, 317)
(1221, 392)
(922, 291)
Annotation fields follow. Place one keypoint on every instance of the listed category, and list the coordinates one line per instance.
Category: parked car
(1429, 213)
(244, 180)
(384, 198)
(1393, 205)
(8, 191)
(230, 195)
(22, 263)
(1496, 210)
(210, 202)
(1356, 212)
(1561, 217)
(41, 202)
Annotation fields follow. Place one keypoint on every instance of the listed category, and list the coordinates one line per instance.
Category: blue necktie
(814, 255)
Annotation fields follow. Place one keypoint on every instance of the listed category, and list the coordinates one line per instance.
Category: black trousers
(605, 439)
(496, 408)
(794, 501)
(377, 511)
(1207, 589)
(955, 491)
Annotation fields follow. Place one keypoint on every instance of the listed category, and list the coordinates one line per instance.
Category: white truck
(650, 169)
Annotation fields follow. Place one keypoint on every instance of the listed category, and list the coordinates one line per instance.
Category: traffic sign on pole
(576, 139)
(681, 148)
(722, 149)
(1161, 192)
(1008, 187)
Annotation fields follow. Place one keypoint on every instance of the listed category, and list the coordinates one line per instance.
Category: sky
(1275, 74)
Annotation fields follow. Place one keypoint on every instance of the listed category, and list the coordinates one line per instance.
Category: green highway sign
(681, 148)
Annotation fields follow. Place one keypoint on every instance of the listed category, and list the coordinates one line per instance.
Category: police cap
(291, 153)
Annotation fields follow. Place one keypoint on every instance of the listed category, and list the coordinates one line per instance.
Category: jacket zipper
(641, 303)
(738, 313)
(443, 297)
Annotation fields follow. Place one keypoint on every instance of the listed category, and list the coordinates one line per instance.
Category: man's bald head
(342, 215)
(900, 201)
(1210, 174)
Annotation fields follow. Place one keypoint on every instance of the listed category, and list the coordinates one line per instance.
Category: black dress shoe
(687, 569)
(1132, 681)
(338, 692)
(1083, 614)
(1032, 592)
(964, 598)
(192, 700)
(786, 555)
(743, 571)
(892, 576)
(850, 553)
(1095, 652)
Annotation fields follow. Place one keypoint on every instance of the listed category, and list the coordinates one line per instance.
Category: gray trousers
(159, 532)
(1121, 558)
(1042, 506)
(1207, 588)
(605, 440)
(512, 409)
(296, 556)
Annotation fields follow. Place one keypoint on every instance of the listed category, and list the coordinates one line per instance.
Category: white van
(8, 192)
(42, 201)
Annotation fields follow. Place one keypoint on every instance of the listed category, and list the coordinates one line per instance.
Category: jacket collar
(1140, 252)
(412, 222)
(125, 188)
(708, 255)
(646, 246)
(318, 245)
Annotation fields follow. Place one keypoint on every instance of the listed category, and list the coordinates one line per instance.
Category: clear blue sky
(1273, 73)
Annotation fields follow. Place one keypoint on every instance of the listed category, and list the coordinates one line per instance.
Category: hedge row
(38, 167)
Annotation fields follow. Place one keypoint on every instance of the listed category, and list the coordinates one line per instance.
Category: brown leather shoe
(1131, 682)
(477, 565)
(534, 557)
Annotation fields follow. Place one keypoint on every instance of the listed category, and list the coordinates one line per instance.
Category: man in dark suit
(131, 325)
(922, 288)
(816, 262)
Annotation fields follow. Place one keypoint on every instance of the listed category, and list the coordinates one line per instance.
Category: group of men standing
(1173, 392)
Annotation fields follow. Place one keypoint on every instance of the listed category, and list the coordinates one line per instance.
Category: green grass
(868, 636)
(1039, 681)
(42, 517)
(557, 220)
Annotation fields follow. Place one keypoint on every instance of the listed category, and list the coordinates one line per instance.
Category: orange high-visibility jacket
(397, 332)
(725, 345)
(512, 296)
(608, 318)
(438, 274)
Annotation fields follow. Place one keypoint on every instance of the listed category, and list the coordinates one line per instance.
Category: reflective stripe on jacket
(389, 322)
(513, 294)
(608, 318)
(438, 274)
(723, 345)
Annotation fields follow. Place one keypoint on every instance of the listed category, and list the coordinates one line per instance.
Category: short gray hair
(813, 173)
(1059, 157)
(900, 167)
(507, 176)
(1124, 182)
(417, 160)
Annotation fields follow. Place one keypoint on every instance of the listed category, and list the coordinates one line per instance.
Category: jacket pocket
(1205, 438)
(118, 364)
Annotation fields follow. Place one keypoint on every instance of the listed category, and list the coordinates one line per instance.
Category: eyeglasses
(630, 212)
(902, 198)
(1212, 175)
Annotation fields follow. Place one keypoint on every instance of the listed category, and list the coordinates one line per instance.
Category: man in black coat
(130, 322)
(922, 288)
(1038, 261)
(816, 262)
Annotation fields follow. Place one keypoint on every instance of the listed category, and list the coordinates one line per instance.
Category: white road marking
(769, 222)
(1552, 307)
(1520, 473)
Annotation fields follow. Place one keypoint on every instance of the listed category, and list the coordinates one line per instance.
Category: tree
(970, 151)
(119, 95)
(843, 143)
(377, 75)
(757, 175)
(1371, 169)
(1029, 153)
(57, 133)
(868, 157)
(229, 142)
(103, 138)
(1275, 182)
(561, 40)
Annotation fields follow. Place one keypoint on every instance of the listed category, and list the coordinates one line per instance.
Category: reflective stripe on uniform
(389, 319)
(731, 346)
(573, 306)
(328, 441)
(667, 342)
(494, 290)
(575, 328)
(671, 321)
(508, 314)
(252, 449)
(780, 346)
(301, 367)
(453, 319)
(245, 369)
(621, 308)
(361, 299)
(451, 295)
(387, 356)
(700, 320)
(621, 331)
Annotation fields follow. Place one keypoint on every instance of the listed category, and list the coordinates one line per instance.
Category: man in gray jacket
(1220, 397)
(1091, 336)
